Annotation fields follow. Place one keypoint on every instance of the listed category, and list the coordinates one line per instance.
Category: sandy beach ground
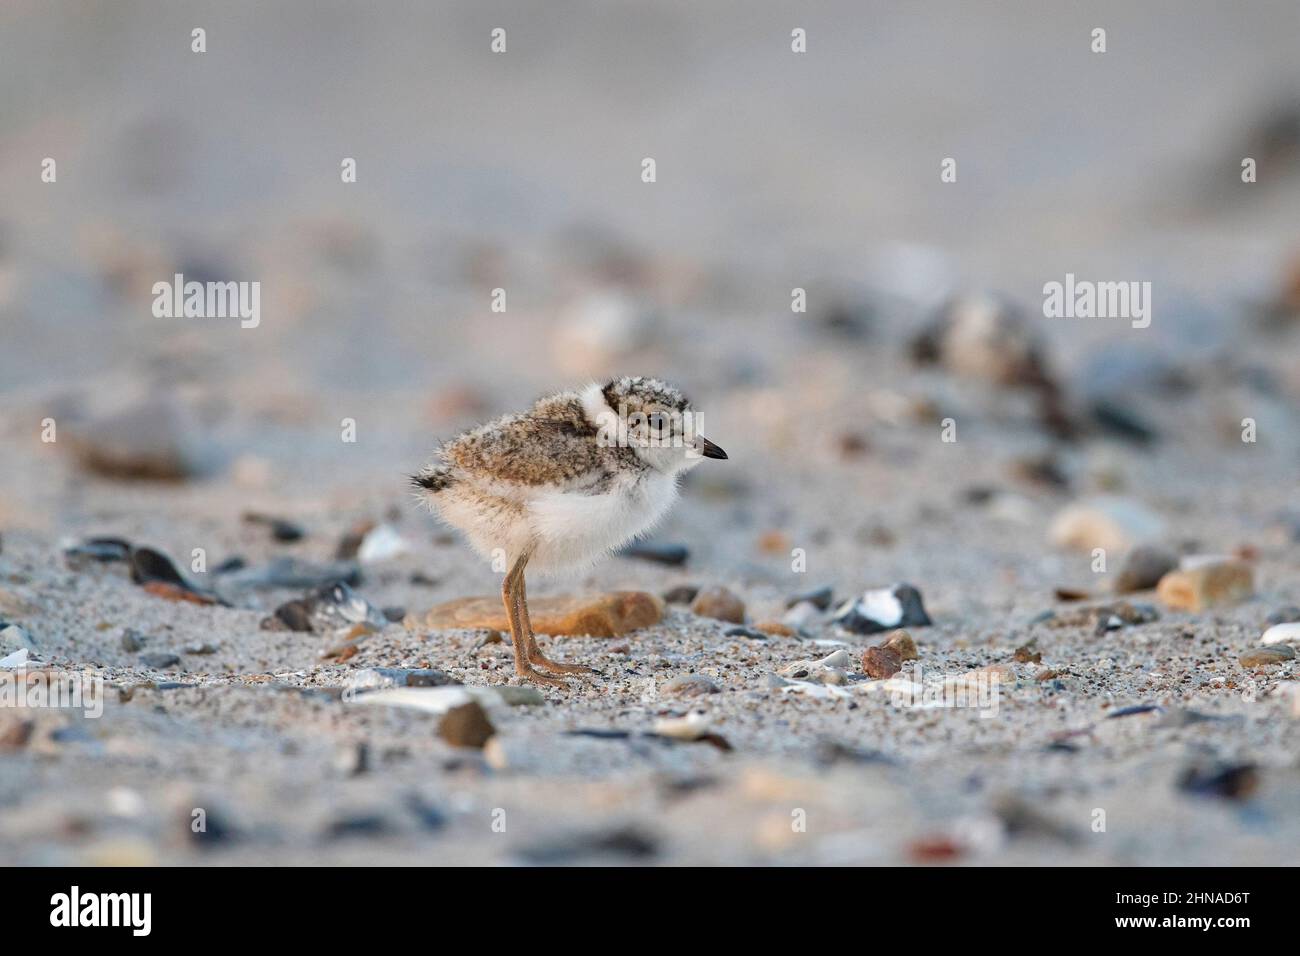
(921, 422)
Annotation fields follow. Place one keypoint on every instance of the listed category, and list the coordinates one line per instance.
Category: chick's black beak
(710, 450)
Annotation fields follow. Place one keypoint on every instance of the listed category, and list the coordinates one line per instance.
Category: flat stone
(1113, 524)
(1143, 568)
(601, 615)
(1283, 634)
(720, 604)
(1268, 656)
(1202, 583)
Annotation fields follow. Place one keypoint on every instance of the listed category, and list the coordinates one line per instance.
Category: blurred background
(521, 171)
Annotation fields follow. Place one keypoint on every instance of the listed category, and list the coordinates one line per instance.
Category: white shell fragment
(1282, 634)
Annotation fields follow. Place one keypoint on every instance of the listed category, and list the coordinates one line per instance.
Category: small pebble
(902, 644)
(682, 594)
(1267, 656)
(1143, 568)
(748, 633)
(133, 640)
(689, 685)
(720, 604)
(881, 662)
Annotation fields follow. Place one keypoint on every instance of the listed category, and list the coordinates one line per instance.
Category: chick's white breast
(572, 528)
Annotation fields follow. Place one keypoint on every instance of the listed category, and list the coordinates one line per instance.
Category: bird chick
(557, 487)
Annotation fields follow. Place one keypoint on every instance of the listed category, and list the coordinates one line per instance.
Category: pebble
(689, 685)
(101, 549)
(1206, 582)
(295, 615)
(984, 336)
(1236, 782)
(381, 543)
(748, 633)
(160, 660)
(152, 440)
(881, 662)
(819, 598)
(719, 604)
(466, 726)
(692, 726)
(682, 594)
(603, 615)
(1143, 568)
(902, 644)
(281, 529)
(14, 638)
(1268, 656)
(775, 628)
(201, 650)
(1286, 634)
(801, 615)
(394, 613)
(883, 609)
(1111, 523)
(133, 640)
(1026, 654)
(672, 555)
(156, 573)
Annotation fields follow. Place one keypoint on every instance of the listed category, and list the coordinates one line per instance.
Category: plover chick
(578, 475)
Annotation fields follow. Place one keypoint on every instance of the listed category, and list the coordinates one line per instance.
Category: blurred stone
(1206, 582)
(601, 615)
(600, 330)
(883, 609)
(719, 604)
(1143, 568)
(984, 336)
(672, 555)
(1267, 656)
(466, 726)
(153, 440)
(1113, 524)
(682, 594)
(1286, 634)
(902, 644)
(819, 597)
